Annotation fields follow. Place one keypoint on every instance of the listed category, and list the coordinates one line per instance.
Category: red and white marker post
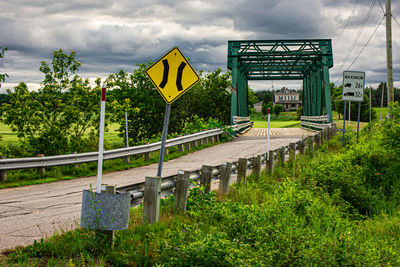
(101, 139)
(269, 117)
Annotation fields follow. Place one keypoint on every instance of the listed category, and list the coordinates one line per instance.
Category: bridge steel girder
(306, 60)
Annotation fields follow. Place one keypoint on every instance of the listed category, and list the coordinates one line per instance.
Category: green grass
(111, 136)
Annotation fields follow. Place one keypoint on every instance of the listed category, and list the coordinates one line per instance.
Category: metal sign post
(269, 117)
(163, 139)
(101, 140)
(344, 122)
(172, 75)
(358, 119)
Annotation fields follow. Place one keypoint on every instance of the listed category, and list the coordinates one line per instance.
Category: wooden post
(205, 141)
(181, 190)
(271, 162)
(181, 148)
(187, 146)
(282, 155)
(151, 199)
(199, 142)
(127, 159)
(41, 170)
(256, 166)
(241, 174)
(302, 147)
(166, 153)
(194, 143)
(76, 166)
(216, 137)
(225, 177)
(3, 173)
(310, 145)
(106, 236)
(292, 152)
(205, 178)
(147, 156)
(317, 140)
(210, 140)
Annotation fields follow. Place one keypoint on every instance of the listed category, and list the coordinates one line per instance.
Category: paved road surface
(33, 212)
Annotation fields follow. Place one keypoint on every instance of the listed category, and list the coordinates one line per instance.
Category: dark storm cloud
(111, 35)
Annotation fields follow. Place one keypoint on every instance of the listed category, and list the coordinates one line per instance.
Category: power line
(395, 20)
(347, 22)
(380, 4)
(357, 36)
(362, 49)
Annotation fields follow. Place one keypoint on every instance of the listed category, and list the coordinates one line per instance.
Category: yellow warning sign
(172, 75)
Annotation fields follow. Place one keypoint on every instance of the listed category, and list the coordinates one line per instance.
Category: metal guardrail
(317, 122)
(237, 119)
(168, 182)
(50, 161)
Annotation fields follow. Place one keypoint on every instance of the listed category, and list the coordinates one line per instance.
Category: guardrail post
(106, 236)
(41, 170)
(180, 148)
(187, 146)
(127, 159)
(282, 155)
(205, 141)
(241, 174)
(181, 190)
(302, 147)
(210, 140)
(292, 152)
(326, 135)
(76, 159)
(256, 166)
(225, 177)
(310, 148)
(194, 143)
(147, 156)
(317, 140)
(151, 199)
(3, 173)
(216, 138)
(271, 162)
(205, 178)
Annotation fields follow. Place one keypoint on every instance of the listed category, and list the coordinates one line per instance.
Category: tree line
(63, 114)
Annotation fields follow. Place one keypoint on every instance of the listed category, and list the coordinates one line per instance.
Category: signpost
(269, 117)
(101, 140)
(353, 90)
(172, 75)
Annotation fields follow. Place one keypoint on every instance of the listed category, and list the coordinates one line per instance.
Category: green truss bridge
(305, 60)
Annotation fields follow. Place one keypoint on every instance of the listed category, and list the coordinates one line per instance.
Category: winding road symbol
(172, 75)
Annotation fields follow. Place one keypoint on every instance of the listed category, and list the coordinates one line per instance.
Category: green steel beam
(306, 60)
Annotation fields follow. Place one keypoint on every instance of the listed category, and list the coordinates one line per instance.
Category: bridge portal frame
(306, 60)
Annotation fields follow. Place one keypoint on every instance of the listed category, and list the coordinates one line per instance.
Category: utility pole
(389, 63)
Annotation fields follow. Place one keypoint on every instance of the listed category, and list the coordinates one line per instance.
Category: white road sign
(353, 86)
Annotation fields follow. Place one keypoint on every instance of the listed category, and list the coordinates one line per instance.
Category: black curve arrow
(165, 74)
(179, 76)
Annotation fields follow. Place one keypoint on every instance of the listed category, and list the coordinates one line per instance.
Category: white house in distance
(288, 98)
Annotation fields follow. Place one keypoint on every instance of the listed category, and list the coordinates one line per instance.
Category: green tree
(266, 106)
(135, 93)
(278, 109)
(251, 100)
(54, 119)
(3, 76)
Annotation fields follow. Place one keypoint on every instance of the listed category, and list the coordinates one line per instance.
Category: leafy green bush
(278, 109)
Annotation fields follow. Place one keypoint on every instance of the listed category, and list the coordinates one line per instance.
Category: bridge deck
(278, 132)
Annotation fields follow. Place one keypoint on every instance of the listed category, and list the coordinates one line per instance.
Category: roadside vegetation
(335, 206)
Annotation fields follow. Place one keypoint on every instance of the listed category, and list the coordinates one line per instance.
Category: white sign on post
(353, 86)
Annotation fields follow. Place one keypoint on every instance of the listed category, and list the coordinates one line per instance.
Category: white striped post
(101, 139)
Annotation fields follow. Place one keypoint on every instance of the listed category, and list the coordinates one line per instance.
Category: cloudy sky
(112, 35)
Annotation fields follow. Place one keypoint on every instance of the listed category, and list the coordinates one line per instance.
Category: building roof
(286, 91)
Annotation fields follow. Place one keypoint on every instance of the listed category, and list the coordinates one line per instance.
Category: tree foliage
(135, 94)
(3, 76)
(54, 119)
